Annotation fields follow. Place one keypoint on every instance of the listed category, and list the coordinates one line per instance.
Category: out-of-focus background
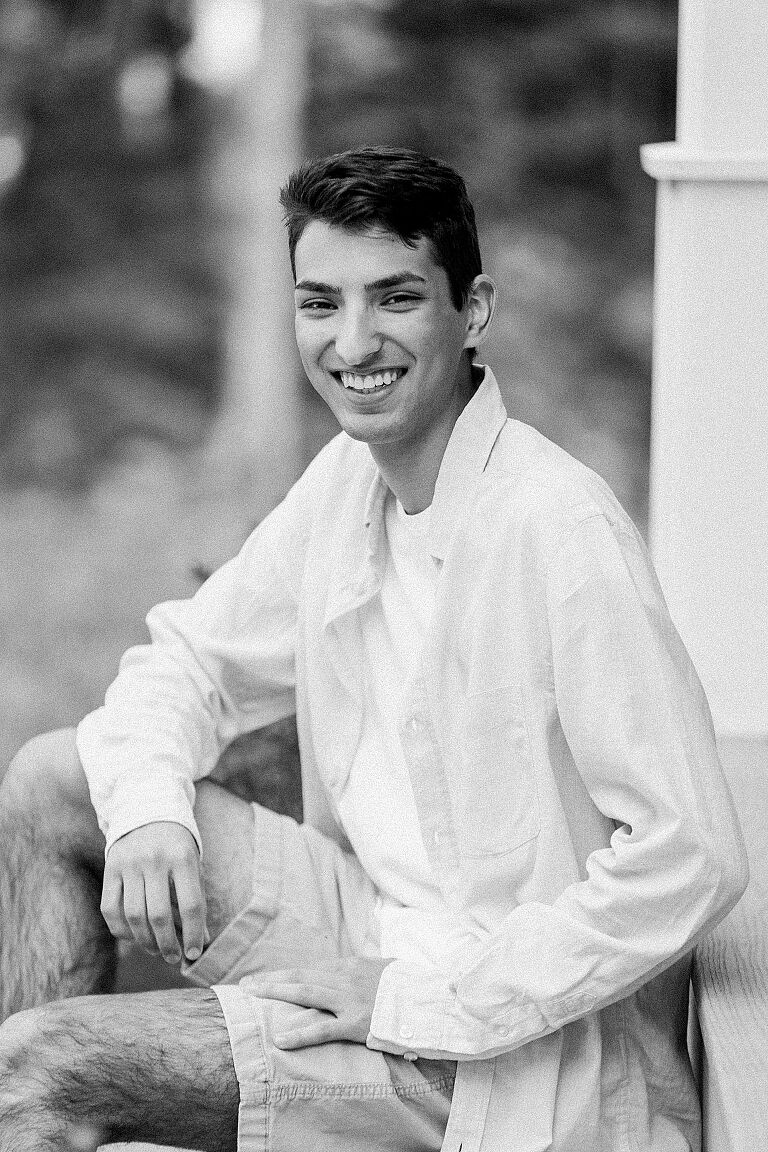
(141, 144)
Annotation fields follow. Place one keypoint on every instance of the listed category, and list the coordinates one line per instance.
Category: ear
(480, 308)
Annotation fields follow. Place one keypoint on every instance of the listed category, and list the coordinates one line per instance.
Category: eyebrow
(396, 280)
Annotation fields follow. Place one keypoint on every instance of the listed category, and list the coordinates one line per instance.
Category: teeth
(369, 383)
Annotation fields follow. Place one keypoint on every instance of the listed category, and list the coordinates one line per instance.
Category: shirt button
(410, 1056)
(406, 1032)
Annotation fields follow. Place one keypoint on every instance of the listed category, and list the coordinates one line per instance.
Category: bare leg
(53, 940)
(154, 1067)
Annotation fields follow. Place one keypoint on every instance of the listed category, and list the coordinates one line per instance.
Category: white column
(709, 455)
(709, 490)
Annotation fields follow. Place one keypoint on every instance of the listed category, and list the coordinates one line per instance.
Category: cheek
(309, 347)
(440, 338)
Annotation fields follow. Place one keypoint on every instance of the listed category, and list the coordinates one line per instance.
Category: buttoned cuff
(137, 802)
(130, 821)
(126, 797)
(417, 1013)
(401, 1025)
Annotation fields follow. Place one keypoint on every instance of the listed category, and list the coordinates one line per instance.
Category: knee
(25, 1086)
(45, 784)
(46, 773)
(17, 1039)
(38, 1051)
(51, 757)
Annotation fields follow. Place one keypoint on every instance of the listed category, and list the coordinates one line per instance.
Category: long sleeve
(219, 664)
(638, 728)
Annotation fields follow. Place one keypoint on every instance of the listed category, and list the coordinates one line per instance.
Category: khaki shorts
(312, 901)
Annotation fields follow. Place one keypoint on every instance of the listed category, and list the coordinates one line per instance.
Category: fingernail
(193, 953)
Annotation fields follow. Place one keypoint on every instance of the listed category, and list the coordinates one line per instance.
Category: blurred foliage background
(117, 119)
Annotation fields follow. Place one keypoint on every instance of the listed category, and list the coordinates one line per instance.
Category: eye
(317, 304)
(401, 300)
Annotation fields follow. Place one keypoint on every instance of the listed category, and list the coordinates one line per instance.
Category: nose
(357, 339)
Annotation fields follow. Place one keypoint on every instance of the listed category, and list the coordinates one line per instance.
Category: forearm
(671, 870)
(546, 966)
(219, 664)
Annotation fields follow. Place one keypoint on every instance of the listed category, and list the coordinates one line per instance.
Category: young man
(515, 829)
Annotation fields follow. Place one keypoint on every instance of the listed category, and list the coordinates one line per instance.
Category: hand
(147, 871)
(346, 988)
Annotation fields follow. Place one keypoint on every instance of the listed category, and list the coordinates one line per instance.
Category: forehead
(332, 255)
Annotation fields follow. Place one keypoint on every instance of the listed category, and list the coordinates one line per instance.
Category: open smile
(371, 382)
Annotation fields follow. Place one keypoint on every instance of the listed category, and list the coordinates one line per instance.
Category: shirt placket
(469, 1107)
(343, 637)
(424, 761)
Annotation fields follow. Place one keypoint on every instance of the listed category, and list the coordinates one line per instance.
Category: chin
(367, 431)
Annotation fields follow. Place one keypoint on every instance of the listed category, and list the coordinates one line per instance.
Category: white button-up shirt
(561, 755)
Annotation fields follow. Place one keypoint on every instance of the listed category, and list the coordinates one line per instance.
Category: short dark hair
(397, 190)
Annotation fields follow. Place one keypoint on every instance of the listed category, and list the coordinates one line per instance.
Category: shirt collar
(466, 455)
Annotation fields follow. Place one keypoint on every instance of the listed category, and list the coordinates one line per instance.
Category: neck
(410, 470)
(412, 483)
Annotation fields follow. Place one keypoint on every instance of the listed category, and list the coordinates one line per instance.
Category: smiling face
(383, 344)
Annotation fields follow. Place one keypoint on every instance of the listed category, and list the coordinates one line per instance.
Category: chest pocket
(496, 795)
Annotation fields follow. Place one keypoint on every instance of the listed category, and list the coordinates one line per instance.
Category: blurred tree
(117, 258)
(142, 234)
(526, 95)
(260, 421)
(109, 290)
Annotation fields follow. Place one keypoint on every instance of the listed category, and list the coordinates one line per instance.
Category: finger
(135, 912)
(112, 906)
(190, 902)
(321, 1032)
(303, 995)
(158, 899)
